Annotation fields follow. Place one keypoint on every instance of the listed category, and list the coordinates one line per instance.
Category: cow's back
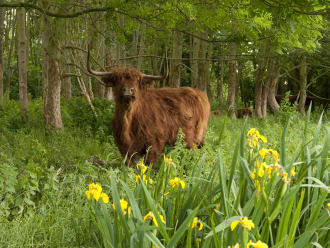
(157, 118)
(174, 108)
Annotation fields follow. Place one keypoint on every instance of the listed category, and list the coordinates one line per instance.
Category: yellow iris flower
(95, 192)
(168, 160)
(123, 206)
(245, 223)
(144, 179)
(142, 166)
(259, 244)
(177, 182)
(151, 216)
(197, 222)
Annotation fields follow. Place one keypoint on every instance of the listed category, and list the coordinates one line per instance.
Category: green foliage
(287, 110)
(78, 113)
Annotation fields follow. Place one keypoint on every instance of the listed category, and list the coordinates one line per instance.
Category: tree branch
(58, 15)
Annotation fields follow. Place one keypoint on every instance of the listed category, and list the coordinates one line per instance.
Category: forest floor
(44, 175)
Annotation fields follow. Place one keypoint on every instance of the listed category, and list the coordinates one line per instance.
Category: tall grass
(286, 200)
(43, 178)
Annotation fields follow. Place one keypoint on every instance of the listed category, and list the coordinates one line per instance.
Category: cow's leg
(189, 137)
(201, 144)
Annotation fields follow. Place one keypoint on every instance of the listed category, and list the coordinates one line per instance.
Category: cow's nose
(128, 91)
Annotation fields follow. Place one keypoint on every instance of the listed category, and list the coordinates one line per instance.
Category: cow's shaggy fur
(151, 117)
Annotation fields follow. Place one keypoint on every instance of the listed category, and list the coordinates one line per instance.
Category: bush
(78, 113)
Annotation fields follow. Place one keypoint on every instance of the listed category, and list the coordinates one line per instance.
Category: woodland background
(242, 53)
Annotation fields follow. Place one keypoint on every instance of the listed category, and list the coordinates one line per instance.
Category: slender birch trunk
(208, 68)
(260, 80)
(302, 85)
(108, 93)
(141, 46)
(175, 76)
(222, 72)
(22, 58)
(232, 78)
(201, 64)
(194, 66)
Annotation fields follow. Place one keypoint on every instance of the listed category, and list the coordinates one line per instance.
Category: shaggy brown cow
(150, 117)
(240, 113)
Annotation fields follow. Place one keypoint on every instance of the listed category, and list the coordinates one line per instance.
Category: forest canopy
(242, 53)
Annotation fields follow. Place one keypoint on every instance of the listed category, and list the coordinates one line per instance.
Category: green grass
(45, 175)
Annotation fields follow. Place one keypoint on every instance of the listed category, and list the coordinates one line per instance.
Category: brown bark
(232, 78)
(201, 77)
(68, 87)
(52, 83)
(194, 66)
(67, 80)
(175, 76)
(260, 81)
(2, 13)
(11, 48)
(239, 83)
(272, 103)
(208, 70)
(141, 45)
(222, 72)
(264, 99)
(108, 94)
(22, 58)
(99, 88)
(302, 85)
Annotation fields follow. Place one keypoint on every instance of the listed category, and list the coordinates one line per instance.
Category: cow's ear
(110, 80)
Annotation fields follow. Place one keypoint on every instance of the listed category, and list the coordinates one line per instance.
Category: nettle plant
(261, 201)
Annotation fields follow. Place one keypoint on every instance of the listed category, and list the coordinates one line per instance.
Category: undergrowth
(43, 175)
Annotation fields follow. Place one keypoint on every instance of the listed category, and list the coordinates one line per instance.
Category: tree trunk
(302, 85)
(2, 13)
(272, 103)
(201, 84)
(208, 70)
(239, 82)
(22, 58)
(11, 48)
(108, 94)
(222, 72)
(51, 71)
(175, 76)
(68, 87)
(67, 80)
(194, 66)
(141, 45)
(264, 96)
(232, 78)
(260, 77)
(99, 88)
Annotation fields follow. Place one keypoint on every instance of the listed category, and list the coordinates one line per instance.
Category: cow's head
(126, 82)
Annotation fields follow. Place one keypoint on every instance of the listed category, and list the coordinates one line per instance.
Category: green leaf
(183, 227)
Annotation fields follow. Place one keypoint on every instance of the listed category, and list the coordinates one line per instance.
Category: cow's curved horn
(91, 71)
(151, 77)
